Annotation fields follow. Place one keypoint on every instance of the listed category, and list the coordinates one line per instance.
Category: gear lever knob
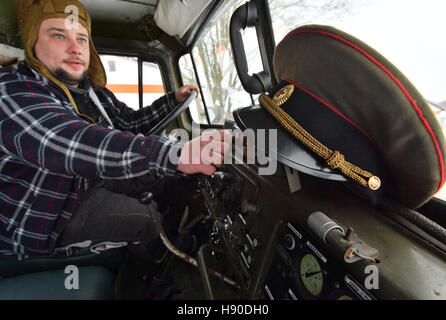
(145, 197)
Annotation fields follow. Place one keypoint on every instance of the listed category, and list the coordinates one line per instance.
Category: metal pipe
(201, 89)
(140, 84)
(180, 254)
(202, 267)
(322, 225)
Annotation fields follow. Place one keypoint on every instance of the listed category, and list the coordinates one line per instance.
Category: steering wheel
(172, 115)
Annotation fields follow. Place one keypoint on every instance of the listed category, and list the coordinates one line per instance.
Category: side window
(111, 65)
(122, 80)
(187, 73)
(153, 87)
(220, 85)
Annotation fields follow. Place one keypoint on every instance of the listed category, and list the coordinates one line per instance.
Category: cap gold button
(374, 183)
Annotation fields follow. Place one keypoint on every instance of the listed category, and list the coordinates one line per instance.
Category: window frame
(266, 48)
(140, 61)
(163, 73)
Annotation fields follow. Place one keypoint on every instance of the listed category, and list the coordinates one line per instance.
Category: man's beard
(65, 77)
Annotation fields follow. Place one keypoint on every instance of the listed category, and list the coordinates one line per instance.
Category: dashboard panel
(274, 252)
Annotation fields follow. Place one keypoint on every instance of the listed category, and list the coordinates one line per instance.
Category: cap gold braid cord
(334, 159)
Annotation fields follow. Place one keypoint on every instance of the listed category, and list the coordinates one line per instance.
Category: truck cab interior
(303, 231)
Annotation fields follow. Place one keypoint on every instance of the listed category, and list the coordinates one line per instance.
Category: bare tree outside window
(218, 77)
(213, 56)
(289, 14)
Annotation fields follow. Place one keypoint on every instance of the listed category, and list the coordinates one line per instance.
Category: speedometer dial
(311, 274)
(340, 295)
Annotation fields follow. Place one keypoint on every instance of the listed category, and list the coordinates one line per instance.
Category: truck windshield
(395, 28)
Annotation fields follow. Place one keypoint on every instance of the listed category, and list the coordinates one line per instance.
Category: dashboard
(269, 245)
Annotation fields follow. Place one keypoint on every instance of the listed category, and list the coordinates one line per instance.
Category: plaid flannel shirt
(46, 150)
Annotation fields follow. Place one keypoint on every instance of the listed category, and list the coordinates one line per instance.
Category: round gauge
(340, 295)
(344, 297)
(311, 274)
(288, 241)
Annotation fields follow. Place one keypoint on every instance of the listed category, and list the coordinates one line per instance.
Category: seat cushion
(95, 283)
(109, 259)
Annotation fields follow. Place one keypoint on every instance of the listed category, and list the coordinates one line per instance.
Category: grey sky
(409, 33)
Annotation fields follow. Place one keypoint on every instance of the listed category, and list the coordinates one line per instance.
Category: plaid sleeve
(40, 129)
(141, 121)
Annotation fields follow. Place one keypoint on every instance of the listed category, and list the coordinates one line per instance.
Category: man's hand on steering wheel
(184, 96)
(182, 93)
(204, 154)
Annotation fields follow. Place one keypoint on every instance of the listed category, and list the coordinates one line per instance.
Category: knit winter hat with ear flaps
(31, 13)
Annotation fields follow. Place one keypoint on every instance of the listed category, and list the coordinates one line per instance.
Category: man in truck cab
(66, 142)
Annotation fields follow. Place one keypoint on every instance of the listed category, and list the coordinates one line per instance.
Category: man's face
(65, 52)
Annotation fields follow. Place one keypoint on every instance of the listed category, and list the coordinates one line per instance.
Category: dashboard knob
(217, 181)
(289, 242)
(256, 242)
(249, 207)
(145, 197)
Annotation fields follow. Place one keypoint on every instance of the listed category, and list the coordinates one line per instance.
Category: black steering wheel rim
(156, 130)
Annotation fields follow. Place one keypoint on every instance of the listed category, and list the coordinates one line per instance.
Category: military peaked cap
(344, 112)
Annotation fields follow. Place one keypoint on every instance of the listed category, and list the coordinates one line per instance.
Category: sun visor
(176, 17)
